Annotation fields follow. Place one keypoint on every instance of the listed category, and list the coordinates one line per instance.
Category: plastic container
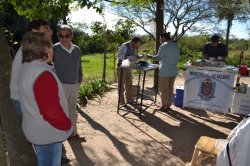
(178, 100)
(179, 92)
(241, 104)
(243, 70)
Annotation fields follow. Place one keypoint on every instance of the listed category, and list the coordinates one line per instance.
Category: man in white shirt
(35, 26)
(237, 149)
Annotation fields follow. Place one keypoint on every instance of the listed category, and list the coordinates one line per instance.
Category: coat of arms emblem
(207, 88)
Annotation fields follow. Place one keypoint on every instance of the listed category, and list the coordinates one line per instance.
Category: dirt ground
(157, 139)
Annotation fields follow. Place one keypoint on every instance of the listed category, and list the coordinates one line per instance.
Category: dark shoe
(163, 109)
(77, 136)
(122, 102)
(132, 102)
(64, 160)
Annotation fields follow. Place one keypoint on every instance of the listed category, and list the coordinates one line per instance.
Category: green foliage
(83, 41)
(89, 4)
(148, 45)
(191, 48)
(11, 41)
(133, 2)
(231, 9)
(90, 90)
(234, 55)
(123, 31)
(92, 66)
(47, 9)
(193, 43)
(13, 24)
(110, 38)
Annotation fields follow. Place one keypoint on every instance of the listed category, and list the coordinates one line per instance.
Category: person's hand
(212, 59)
(132, 58)
(148, 56)
(143, 55)
(219, 58)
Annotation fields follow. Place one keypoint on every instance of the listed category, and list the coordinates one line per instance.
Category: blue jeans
(17, 107)
(49, 155)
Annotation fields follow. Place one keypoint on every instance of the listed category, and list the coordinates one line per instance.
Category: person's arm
(48, 100)
(159, 54)
(205, 52)
(80, 69)
(80, 72)
(225, 52)
(15, 70)
(121, 54)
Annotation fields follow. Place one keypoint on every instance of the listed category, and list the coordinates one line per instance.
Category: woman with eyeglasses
(67, 63)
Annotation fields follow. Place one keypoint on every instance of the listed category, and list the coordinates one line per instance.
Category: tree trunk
(65, 21)
(229, 24)
(104, 65)
(20, 152)
(114, 56)
(159, 31)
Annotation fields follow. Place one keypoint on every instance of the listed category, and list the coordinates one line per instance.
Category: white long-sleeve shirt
(239, 146)
(15, 72)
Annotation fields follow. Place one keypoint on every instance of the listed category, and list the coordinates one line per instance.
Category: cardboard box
(241, 104)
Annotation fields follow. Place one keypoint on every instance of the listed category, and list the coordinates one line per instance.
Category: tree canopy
(179, 15)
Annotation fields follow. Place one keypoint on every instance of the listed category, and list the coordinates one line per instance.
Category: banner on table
(208, 90)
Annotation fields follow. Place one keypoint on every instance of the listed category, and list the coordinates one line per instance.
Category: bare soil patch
(158, 138)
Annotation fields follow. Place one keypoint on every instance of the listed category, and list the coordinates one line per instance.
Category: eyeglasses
(64, 36)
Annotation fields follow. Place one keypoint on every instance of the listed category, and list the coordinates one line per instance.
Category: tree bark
(159, 30)
(19, 150)
(229, 24)
(104, 64)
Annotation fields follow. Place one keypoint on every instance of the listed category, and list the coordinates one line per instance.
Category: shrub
(90, 90)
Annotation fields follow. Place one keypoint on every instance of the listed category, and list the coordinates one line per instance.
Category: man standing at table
(215, 50)
(127, 50)
(168, 56)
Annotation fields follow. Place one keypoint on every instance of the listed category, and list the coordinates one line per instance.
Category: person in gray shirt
(127, 50)
(67, 63)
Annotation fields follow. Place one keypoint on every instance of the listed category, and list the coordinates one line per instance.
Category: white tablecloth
(209, 88)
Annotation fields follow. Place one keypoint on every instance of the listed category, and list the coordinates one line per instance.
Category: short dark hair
(166, 35)
(36, 24)
(215, 38)
(136, 39)
(34, 46)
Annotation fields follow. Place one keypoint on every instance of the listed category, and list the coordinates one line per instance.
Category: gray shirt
(126, 51)
(68, 64)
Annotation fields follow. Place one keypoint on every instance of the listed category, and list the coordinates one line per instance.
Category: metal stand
(140, 109)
